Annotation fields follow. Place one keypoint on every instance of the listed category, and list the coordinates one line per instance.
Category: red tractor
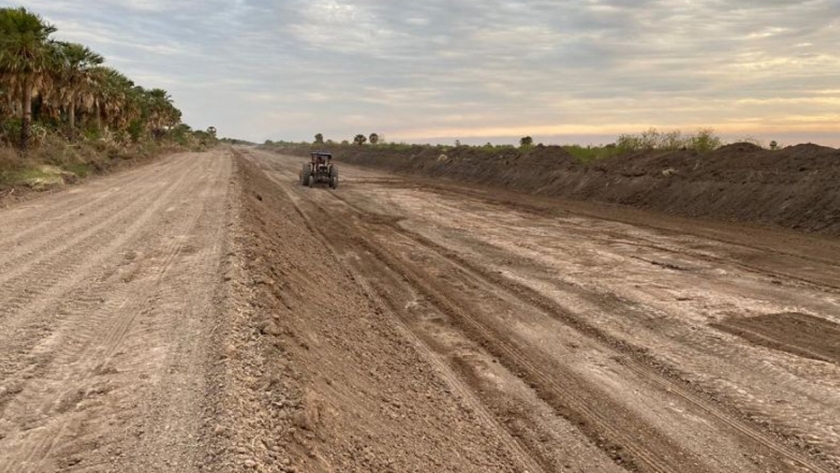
(319, 169)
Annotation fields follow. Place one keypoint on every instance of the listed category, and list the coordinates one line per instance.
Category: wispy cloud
(462, 69)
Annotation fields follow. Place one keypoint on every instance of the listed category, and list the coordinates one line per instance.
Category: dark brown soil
(799, 334)
(795, 187)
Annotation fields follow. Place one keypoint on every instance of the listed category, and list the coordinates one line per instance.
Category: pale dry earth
(208, 313)
(106, 306)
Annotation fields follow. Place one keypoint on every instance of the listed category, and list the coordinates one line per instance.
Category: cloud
(454, 69)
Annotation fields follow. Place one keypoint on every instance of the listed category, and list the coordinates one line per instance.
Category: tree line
(360, 139)
(66, 87)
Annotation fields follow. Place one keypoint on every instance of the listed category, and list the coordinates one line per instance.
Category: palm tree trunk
(72, 115)
(26, 122)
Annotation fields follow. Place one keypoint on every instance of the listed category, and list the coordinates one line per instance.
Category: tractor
(319, 169)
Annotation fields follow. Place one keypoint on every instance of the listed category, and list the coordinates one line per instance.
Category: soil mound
(807, 150)
(741, 147)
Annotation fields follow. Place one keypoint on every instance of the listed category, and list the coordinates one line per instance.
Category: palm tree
(26, 57)
(113, 97)
(6, 98)
(78, 69)
(162, 113)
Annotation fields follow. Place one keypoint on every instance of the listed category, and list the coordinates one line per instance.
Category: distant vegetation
(61, 106)
(703, 141)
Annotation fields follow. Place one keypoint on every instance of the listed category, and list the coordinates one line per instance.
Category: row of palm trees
(61, 84)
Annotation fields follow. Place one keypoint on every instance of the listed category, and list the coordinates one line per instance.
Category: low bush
(703, 141)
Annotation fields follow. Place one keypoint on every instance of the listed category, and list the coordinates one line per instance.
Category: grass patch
(55, 162)
(38, 177)
(588, 154)
(81, 170)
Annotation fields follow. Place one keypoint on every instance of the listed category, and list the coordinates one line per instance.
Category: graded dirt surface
(208, 313)
(108, 295)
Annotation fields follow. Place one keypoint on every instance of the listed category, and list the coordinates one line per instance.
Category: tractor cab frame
(320, 169)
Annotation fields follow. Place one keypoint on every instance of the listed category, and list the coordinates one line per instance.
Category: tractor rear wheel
(334, 178)
(305, 175)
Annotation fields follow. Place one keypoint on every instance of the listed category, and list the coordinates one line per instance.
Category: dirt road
(207, 313)
(106, 307)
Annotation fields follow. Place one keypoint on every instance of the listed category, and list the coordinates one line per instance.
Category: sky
(561, 71)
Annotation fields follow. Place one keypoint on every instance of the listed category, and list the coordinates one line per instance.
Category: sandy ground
(106, 305)
(207, 313)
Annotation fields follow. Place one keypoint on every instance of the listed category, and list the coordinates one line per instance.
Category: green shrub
(704, 141)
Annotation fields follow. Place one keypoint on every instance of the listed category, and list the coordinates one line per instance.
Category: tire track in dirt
(517, 203)
(636, 359)
(57, 211)
(91, 336)
(138, 226)
(35, 287)
(48, 245)
(656, 453)
(528, 295)
(745, 392)
(462, 391)
(792, 410)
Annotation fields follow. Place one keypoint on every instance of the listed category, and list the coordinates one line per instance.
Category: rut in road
(574, 398)
(458, 387)
(445, 372)
(657, 454)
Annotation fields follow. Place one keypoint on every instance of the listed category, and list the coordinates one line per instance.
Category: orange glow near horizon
(807, 125)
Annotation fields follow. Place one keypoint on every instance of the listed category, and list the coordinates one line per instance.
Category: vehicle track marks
(635, 359)
(462, 391)
(77, 211)
(75, 385)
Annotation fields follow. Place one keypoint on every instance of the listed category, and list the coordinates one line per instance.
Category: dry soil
(208, 313)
